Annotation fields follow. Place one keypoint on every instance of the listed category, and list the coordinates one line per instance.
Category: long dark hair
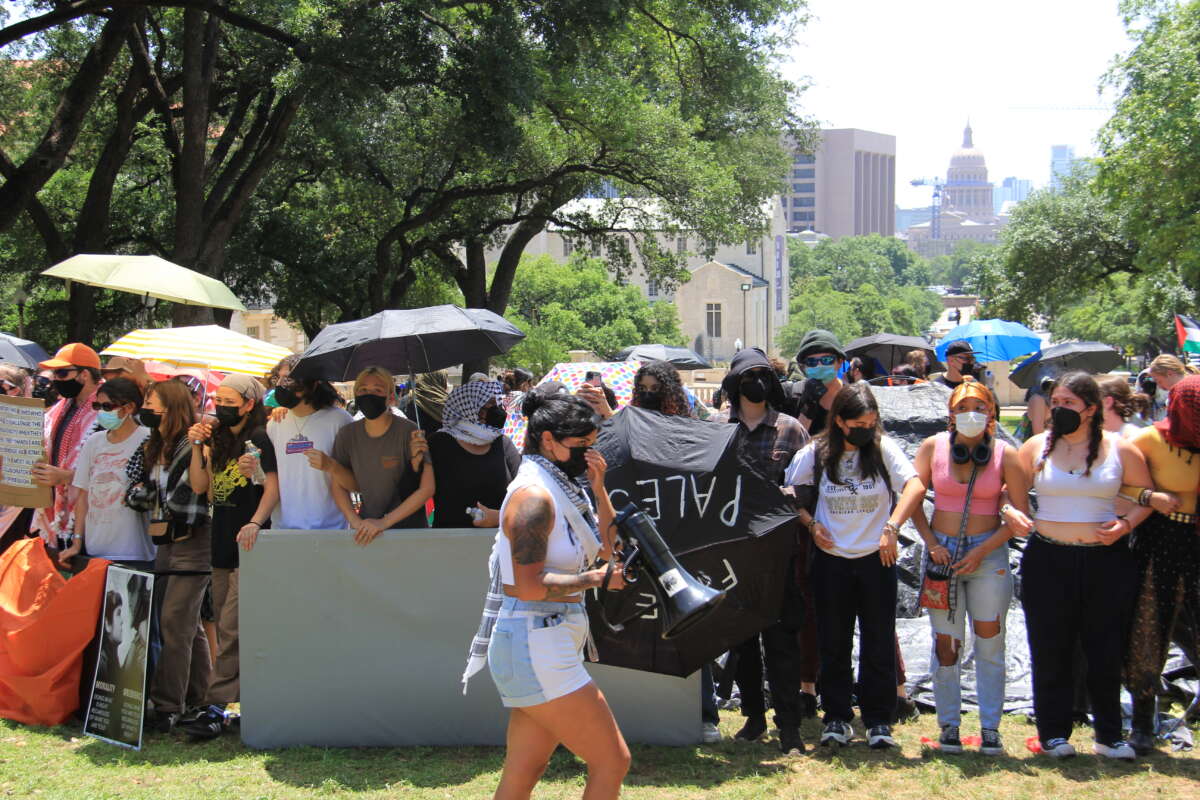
(179, 414)
(854, 400)
(227, 445)
(564, 415)
(1083, 386)
(674, 401)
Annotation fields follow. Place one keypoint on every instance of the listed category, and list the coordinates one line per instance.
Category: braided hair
(1083, 386)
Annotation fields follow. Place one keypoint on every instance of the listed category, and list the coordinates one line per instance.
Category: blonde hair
(376, 372)
(1167, 364)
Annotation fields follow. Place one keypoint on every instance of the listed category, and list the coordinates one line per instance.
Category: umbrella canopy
(21, 352)
(889, 349)
(617, 375)
(1091, 357)
(680, 357)
(204, 347)
(147, 275)
(725, 521)
(407, 341)
(993, 340)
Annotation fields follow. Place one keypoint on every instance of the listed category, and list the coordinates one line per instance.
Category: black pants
(845, 590)
(1082, 594)
(781, 647)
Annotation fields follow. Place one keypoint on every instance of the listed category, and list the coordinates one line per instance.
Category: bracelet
(255, 524)
(1128, 524)
(1004, 509)
(1144, 497)
(891, 527)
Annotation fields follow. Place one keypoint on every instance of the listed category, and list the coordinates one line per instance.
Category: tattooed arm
(528, 521)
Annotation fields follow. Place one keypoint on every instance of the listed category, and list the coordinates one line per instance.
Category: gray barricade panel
(345, 646)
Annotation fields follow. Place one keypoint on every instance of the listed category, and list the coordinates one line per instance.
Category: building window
(751, 247)
(681, 245)
(597, 248)
(568, 247)
(803, 216)
(712, 320)
(252, 331)
(709, 245)
(805, 202)
(808, 172)
(652, 288)
(807, 188)
(802, 158)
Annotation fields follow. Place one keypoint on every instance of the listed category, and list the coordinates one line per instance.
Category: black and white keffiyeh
(460, 416)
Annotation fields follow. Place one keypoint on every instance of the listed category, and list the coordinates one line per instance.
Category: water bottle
(259, 477)
(476, 514)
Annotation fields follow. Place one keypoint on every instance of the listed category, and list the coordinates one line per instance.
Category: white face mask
(970, 423)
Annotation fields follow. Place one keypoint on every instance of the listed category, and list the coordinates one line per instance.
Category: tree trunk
(474, 288)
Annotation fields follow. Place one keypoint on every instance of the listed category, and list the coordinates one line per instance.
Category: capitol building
(967, 211)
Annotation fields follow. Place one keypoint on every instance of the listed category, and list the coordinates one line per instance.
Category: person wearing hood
(821, 357)
(771, 439)
(1167, 551)
(472, 447)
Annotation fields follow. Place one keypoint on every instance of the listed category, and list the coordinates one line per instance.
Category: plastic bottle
(259, 477)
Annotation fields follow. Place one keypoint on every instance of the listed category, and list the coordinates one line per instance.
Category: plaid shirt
(773, 443)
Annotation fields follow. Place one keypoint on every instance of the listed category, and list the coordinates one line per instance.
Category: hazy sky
(918, 68)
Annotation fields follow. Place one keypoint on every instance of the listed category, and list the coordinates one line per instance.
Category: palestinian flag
(1188, 331)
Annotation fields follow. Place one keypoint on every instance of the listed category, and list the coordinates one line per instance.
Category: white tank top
(1063, 497)
(564, 553)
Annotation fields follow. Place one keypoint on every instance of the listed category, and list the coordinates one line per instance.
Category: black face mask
(576, 465)
(372, 406)
(69, 388)
(1065, 420)
(495, 417)
(754, 390)
(649, 399)
(150, 419)
(860, 437)
(286, 397)
(229, 416)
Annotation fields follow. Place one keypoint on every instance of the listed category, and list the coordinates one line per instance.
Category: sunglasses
(106, 406)
(820, 361)
(65, 372)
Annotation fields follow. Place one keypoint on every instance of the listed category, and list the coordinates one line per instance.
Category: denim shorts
(983, 594)
(536, 651)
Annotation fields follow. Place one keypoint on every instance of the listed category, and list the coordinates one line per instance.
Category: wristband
(1004, 509)
(891, 527)
(1144, 497)
(255, 524)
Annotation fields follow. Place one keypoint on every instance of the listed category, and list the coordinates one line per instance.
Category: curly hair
(1083, 386)
(674, 401)
(1125, 401)
(287, 361)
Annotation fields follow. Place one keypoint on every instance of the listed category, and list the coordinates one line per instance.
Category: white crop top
(565, 555)
(1063, 497)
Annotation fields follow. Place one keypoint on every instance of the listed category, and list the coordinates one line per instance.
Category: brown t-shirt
(381, 467)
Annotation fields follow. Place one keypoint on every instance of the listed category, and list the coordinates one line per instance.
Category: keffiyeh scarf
(460, 416)
(59, 519)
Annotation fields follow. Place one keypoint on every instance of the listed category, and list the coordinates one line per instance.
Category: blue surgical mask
(821, 372)
(109, 420)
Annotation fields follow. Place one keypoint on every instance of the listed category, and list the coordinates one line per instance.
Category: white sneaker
(1058, 748)
(709, 733)
(1118, 749)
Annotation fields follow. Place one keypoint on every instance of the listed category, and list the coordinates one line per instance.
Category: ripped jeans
(984, 595)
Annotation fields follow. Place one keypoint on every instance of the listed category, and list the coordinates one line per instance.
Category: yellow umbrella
(200, 346)
(148, 276)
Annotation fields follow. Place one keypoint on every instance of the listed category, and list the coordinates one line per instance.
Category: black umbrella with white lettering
(725, 521)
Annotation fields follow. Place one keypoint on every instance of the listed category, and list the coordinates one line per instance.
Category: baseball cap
(119, 363)
(73, 355)
(961, 347)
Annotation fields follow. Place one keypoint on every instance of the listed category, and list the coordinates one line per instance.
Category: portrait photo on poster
(117, 703)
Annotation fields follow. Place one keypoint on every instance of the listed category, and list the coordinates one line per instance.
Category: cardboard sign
(117, 704)
(22, 422)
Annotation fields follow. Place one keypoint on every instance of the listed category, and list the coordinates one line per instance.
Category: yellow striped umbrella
(204, 346)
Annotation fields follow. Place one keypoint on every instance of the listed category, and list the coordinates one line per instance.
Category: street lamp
(21, 296)
(746, 287)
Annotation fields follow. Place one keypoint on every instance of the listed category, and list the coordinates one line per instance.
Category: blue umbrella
(21, 352)
(993, 340)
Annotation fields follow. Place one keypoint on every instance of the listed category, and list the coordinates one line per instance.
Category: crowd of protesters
(159, 476)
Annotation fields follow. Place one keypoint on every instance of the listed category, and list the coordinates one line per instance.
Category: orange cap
(73, 355)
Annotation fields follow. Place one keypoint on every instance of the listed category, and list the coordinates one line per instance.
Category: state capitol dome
(967, 155)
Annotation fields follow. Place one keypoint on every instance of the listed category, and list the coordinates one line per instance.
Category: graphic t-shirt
(305, 493)
(854, 510)
(235, 499)
(112, 529)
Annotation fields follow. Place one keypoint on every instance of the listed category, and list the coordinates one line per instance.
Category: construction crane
(935, 206)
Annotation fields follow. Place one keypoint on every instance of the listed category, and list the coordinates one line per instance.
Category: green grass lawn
(59, 763)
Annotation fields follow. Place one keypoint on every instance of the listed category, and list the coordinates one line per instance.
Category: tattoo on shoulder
(534, 521)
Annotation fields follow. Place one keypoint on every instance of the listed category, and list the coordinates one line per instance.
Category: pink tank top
(950, 495)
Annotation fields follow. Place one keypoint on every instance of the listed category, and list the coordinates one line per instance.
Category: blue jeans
(984, 595)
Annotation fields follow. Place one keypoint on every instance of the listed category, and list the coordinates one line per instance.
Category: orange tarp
(46, 622)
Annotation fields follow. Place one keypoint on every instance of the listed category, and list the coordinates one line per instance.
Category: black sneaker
(208, 724)
(790, 742)
(880, 737)
(990, 742)
(162, 721)
(949, 742)
(808, 706)
(753, 730)
(836, 732)
(1141, 742)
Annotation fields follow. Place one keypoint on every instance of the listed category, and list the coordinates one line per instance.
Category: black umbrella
(1091, 357)
(21, 352)
(890, 349)
(728, 525)
(680, 357)
(407, 341)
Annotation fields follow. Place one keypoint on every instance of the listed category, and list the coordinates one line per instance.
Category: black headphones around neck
(981, 453)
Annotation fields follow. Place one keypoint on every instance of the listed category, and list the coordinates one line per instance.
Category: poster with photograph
(117, 705)
(21, 431)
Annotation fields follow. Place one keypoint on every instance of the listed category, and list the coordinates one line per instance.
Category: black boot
(1144, 724)
(755, 727)
(790, 742)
